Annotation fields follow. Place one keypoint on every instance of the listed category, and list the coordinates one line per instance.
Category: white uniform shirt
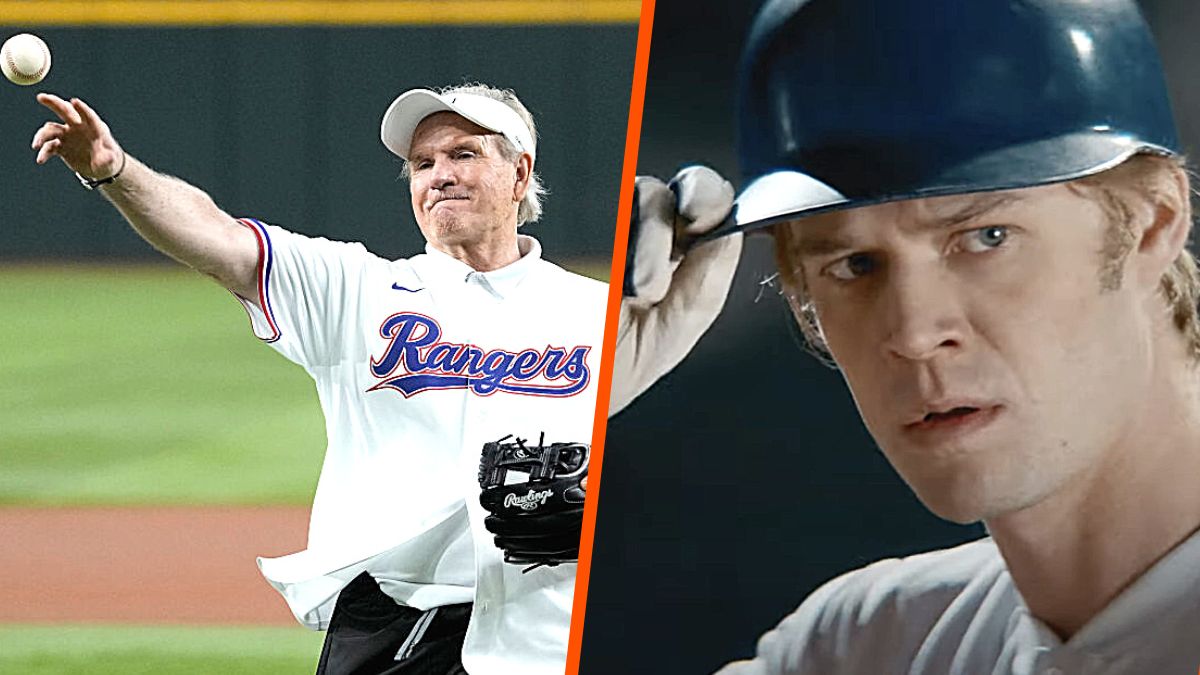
(417, 363)
(956, 612)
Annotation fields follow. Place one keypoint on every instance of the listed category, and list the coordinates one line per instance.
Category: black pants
(369, 634)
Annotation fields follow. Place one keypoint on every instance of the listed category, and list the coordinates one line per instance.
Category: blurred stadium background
(745, 479)
(129, 385)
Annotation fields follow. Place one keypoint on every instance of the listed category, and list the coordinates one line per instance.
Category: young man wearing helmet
(980, 214)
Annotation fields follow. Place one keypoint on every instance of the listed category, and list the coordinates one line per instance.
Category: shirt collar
(499, 282)
(1170, 587)
(1159, 602)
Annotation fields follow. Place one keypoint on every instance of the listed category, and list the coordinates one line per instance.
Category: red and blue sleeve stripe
(266, 260)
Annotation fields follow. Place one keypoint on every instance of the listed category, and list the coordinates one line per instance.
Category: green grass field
(157, 650)
(144, 385)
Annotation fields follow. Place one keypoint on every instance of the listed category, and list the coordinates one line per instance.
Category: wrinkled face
(463, 190)
(982, 352)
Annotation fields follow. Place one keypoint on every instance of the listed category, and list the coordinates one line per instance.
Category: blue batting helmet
(846, 103)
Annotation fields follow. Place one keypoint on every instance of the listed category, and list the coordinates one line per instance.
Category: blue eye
(985, 238)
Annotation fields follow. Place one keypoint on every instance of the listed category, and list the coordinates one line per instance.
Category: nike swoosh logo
(398, 287)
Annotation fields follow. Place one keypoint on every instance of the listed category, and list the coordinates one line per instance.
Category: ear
(524, 175)
(1166, 221)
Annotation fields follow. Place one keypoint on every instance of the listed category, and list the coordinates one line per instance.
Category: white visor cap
(414, 105)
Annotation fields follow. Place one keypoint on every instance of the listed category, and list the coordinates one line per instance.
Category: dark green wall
(283, 124)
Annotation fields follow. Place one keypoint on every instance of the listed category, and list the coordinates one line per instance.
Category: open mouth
(953, 413)
(957, 419)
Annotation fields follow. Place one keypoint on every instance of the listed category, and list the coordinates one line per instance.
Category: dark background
(745, 479)
(282, 123)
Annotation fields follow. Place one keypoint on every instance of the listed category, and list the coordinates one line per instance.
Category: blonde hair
(530, 208)
(1141, 176)
(1145, 176)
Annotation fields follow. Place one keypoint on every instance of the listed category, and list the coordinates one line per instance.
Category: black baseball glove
(535, 498)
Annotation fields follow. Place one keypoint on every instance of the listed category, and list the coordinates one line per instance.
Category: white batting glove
(672, 293)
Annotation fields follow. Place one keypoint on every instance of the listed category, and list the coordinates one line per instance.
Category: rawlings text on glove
(534, 496)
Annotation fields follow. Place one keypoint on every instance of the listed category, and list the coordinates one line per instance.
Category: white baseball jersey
(418, 362)
(957, 612)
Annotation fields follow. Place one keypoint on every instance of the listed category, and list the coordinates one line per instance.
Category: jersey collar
(1145, 616)
(500, 282)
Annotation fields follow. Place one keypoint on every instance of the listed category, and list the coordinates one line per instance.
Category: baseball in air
(25, 59)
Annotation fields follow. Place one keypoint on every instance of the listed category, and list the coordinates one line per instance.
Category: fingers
(703, 199)
(54, 103)
(48, 131)
(668, 218)
(648, 264)
(85, 111)
(48, 150)
(65, 111)
(80, 138)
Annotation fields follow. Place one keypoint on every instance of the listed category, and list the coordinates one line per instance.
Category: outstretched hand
(81, 139)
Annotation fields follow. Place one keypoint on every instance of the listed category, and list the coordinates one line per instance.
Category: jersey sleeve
(307, 289)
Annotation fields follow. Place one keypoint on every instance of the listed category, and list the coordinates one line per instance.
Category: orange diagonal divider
(633, 130)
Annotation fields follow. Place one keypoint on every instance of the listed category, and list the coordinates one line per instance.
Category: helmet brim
(787, 195)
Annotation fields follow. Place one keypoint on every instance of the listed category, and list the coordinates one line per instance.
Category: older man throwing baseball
(476, 348)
